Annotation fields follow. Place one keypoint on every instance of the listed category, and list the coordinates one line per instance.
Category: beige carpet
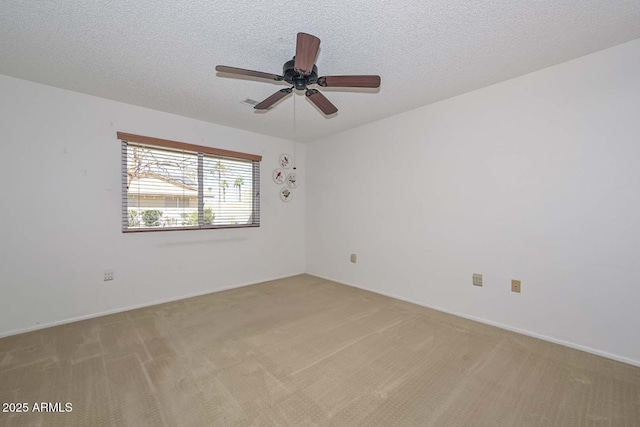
(301, 352)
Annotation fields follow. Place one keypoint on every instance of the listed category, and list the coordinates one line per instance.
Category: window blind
(177, 186)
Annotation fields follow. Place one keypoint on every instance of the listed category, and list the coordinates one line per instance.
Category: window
(170, 185)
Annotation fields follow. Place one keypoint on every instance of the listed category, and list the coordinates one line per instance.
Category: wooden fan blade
(349, 81)
(273, 99)
(306, 52)
(249, 73)
(321, 102)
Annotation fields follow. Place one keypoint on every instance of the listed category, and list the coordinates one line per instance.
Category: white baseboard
(136, 306)
(496, 324)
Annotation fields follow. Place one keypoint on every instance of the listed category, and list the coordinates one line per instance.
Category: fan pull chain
(294, 130)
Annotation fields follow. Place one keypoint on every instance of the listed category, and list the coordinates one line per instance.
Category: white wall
(60, 217)
(536, 178)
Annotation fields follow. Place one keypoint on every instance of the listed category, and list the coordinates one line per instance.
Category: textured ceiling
(162, 54)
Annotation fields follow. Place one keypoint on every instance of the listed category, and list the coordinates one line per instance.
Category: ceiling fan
(301, 72)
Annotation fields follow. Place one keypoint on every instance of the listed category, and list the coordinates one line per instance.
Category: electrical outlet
(354, 258)
(515, 285)
(477, 279)
(108, 275)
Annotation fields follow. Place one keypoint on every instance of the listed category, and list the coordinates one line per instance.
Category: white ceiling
(162, 54)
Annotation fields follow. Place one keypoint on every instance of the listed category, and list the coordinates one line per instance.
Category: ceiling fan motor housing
(298, 80)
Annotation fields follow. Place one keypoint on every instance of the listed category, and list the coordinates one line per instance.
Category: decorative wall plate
(279, 176)
(285, 161)
(286, 194)
(292, 180)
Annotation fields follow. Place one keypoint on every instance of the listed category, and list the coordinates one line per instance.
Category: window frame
(201, 152)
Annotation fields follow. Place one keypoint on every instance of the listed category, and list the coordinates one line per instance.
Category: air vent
(251, 102)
